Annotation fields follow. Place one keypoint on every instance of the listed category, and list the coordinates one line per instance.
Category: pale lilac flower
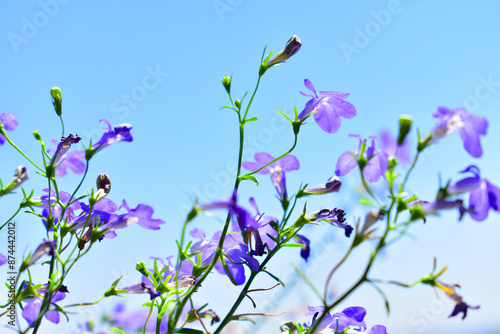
(327, 108)
(46, 247)
(20, 175)
(9, 122)
(332, 185)
(467, 184)
(390, 145)
(484, 198)
(378, 161)
(433, 208)
(277, 169)
(470, 127)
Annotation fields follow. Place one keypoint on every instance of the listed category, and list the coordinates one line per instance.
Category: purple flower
(32, 308)
(235, 253)
(420, 209)
(335, 217)
(467, 184)
(461, 306)
(332, 185)
(20, 175)
(74, 161)
(9, 121)
(377, 165)
(46, 247)
(56, 210)
(315, 311)
(63, 147)
(304, 252)
(277, 169)
(470, 127)
(292, 47)
(484, 198)
(3, 259)
(328, 107)
(259, 226)
(351, 318)
(144, 215)
(114, 134)
(390, 145)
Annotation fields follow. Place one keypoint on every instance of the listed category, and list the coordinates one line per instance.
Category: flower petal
(345, 164)
(327, 119)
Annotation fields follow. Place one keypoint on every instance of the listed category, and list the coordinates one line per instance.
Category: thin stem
(15, 214)
(251, 99)
(62, 125)
(327, 284)
(411, 169)
(22, 153)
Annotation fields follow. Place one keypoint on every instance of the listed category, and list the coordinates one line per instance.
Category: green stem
(410, 170)
(251, 99)
(22, 153)
(15, 214)
(62, 125)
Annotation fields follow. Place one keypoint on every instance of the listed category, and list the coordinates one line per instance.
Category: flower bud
(37, 135)
(20, 176)
(238, 104)
(56, 100)
(292, 47)
(404, 129)
(226, 81)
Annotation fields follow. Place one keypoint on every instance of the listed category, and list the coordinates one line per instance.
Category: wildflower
(351, 318)
(20, 176)
(327, 108)
(315, 311)
(332, 185)
(461, 306)
(420, 209)
(484, 198)
(292, 47)
(259, 226)
(63, 147)
(277, 169)
(46, 247)
(390, 145)
(374, 163)
(3, 259)
(467, 184)
(114, 134)
(470, 127)
(235, 253)
(56, 100)
(304, 252)
(335, 217)
(56, 210)
(74, 161)
(7, 122)
(32, 308)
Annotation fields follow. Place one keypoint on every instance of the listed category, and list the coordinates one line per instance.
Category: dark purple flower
(484, 198)
(259, 226)
(461, 306)
(351, 317)
(470, 127)
(32, 308)
(235, 253)
(56, 210)
(335, 217)
(63, 147)
(328, 107)
(316, 311)
(74, 161)
(304, 252)
(390, 145)
(3, 259)
(277, 169)
(9, 122)
(467, 184)
(377, 165)
(114, 134)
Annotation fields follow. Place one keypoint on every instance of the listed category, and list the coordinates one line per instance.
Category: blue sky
(157, 66)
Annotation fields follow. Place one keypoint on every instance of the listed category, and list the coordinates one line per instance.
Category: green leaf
(148, 304)
(249, 177)
(293, 245)
(253, 119)
(275, 277)
(114, 329)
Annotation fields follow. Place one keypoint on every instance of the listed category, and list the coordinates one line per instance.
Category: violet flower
(331, 186)
(335, 217)
(484, 198)
(377, 165)
(33, 306)
(236, 252)
(467, 184)
(56, 210)
(351, 318)
(390, 145)
(292, 47)
(63, 147)
(114, 134)
(20, 175)
(327, 108)
(259, 226)
(277, 169)
(74, 161)
(461, 306)
(305, 251)
(3, 259)
(9, 122)
(420, 209)
(470, 127)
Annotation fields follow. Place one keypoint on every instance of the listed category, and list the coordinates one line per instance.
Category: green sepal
(249, 177)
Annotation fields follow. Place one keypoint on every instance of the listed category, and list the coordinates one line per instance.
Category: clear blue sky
(394, 57)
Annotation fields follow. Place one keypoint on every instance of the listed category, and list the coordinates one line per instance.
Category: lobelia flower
(420, 209)
(20, 175)
(470, 127)
(114, 134)
(9, 122)
(350, 320)
(335, 217)
(327, 108)
(377, 165)
(277, 169)
(32, 308)
(74, 161)
(331, 186)
(292, 47)
(62, 148)
(235, 250)
(304, 252)
(390, 145)
(56, 210)
(259, 226)
(461, 306)
(46, 247)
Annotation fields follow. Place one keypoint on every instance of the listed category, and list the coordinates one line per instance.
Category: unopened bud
(56, 100)
(103, 184)
(37, 135)
(20, 176)
(238, 104)
(404, 129)
(226, 81)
